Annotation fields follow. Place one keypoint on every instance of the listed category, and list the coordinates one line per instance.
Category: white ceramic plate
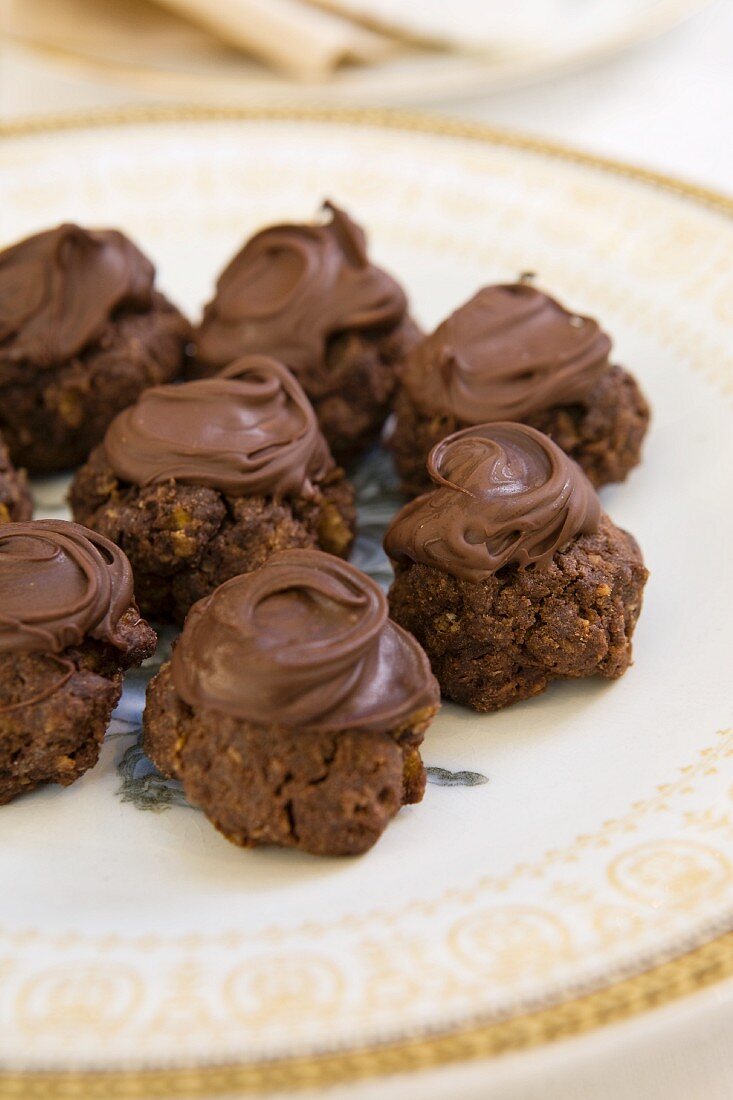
(133, 936)
(137, 42)
(524, 28)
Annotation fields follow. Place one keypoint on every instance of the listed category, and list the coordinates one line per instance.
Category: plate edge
(687, 974)
(413, 121)
(682, 976)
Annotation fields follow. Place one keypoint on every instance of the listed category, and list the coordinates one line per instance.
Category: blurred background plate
(572, 862)
(137, 42)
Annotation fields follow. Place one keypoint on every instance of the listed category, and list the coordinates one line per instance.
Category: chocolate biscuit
(205, 480)
(513, 353)
(310, 296)
(292, 709)
(68, 630)
(509, 574)
(82, 333)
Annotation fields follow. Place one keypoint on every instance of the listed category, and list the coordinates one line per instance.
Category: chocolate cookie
(309, 296)
(202, 481)
(68, 629)
(508, 573)
(292, 709)
(514, 353)
(82, 333)
(15, 498)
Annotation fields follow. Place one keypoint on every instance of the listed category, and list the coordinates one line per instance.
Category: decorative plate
(573, 859)
(138, 42)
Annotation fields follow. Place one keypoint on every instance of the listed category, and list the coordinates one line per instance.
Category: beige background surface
(667, 104)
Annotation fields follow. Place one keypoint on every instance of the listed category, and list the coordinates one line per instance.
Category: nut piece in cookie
(82, 332)
(69, 628)
(16, 502)
(293, 709)
(514, 353)
(202, 481)
(508, 573)
(309, 296)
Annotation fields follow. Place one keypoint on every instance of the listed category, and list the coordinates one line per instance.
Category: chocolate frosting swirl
(303, 642)
(249, 431)
(59, 583)
(506, 495)
(59, 288)
(509, 352)
(292, 287)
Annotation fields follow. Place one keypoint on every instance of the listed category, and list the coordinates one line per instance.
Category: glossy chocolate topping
(509, 352)
(59, 583)
(303, 642)
(58, 290)
(248, 431)
(291, 288)
(505, 495)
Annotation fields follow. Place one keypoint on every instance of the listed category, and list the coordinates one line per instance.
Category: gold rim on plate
(688, 973)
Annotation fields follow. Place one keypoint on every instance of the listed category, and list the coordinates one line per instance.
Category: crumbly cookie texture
(185, 540)
(327, 793)
(15, 498)
(604, 435)
(506, 638)
(293, 709)
(57, 738)
(52, 417)
(353, 389)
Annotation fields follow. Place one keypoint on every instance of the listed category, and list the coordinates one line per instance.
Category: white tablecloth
(668, 105)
